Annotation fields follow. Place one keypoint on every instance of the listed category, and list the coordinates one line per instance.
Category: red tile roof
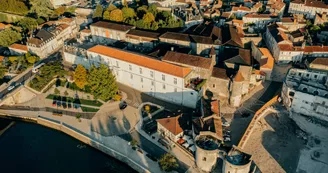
(310, 49)
(171, 124)
(18, 46)
(270, 61)
(192, 60)
(141, 60)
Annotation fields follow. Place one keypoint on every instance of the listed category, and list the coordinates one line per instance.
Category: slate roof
(192, 60)
(237, 56)
(113, 26)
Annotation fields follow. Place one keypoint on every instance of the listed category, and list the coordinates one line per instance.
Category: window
(130, 67)
(315, 92)
(152, 83)
(164, 86)
(163, 77)
(117, 73)
(213, 86)
(151, 74)
(140, 70)
(175, 81)
(117, 63)
(291, 94)
(175, 89)
(307, 75)
(131, 76)
(304, 89)
(204, 158)
(315, 76)
(141, 79)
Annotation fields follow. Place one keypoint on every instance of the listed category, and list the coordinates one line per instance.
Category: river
(28, 147)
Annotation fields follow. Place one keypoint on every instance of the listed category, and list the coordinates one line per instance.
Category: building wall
(260, 23)
(206, 159)
(45, 49)
(219, 87)
(149, 81)
(177, 42)
(103, 35)
(309, 12)
(168, 134)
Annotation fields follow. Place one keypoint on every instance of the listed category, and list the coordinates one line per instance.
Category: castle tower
(207, 152)
(236, 161)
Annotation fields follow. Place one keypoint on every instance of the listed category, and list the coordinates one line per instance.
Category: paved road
(135, 98)
(21, 78)
(150, 147)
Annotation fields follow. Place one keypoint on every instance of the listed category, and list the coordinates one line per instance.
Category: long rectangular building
(153, 77)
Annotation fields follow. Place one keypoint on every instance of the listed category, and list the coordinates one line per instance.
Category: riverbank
(111, 145)
(29, 146)
(5, 125)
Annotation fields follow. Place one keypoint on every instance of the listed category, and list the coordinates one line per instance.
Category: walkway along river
(27, 147)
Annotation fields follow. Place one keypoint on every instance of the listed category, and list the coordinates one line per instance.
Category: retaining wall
(262, 111)
(94, 143)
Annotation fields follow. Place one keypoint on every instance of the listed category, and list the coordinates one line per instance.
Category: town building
(237, 161)
(240, 11)
(51, 36)
(142, 39)
(259, 21)
(108, 32)
(18, 49)
(170, 128)
(308, 8)
(319, 63)
(293, 23)
(305, 91)
(276, 7)
(320, 19)
(153, 77)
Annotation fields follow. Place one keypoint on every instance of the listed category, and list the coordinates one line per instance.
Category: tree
(3, 71)
(141, 11)
(31, 59)
(116, 15)
(148, 18)
(40, 20)
(106, 15)
(12, 59)
(98, 12)
(8, 37)
(70, 10)
(153, 9)
(261, 10)
(66, 93)
(308, 23)
(41, 7)
(60, 10)
(80, 76)
(315, 28)
(111, 7)
(14, 6)
(102, 82)
(28, 24)
(128, 13)
(56, 91)
(168, 162)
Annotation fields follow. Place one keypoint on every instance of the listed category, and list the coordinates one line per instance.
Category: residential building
(85, 34)
(108, 32)
(305, 92)
(170, 128)
(280, 46)
(240, 11)
(151, 76)
(276, 7)
(4, 26)
(308, 8)
(320, 19)
(18, 49)
(259, 21)
(265, 60)
(142, 39)
(51, 36)
(318, 63)
(293, 23)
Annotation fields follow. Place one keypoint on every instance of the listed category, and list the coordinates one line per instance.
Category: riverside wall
(92, 142)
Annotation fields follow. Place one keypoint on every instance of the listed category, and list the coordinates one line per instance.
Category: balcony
(195, 83)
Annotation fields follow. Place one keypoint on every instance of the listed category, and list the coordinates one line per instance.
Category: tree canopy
(102, 82)
(9, 36)
(98, 12)
(111, 7)
(41, 7)
(28, 24)
(168, 162)
(128, 13)
(116, 15)
(80, 76)
(3, 71)
(14, 6)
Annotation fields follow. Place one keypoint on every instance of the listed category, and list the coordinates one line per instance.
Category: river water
(29, 147)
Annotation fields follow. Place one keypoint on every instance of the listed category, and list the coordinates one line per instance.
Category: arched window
(304, 89)
(315, 92)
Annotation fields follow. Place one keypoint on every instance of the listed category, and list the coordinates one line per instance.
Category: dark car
(151, 157)
(123, 105)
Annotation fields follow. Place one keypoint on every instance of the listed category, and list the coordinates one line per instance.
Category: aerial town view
(155, 86)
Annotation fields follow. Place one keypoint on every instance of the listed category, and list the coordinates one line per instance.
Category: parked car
(151, 157)
(12, 86)
(225, 124)
(123, 105)
(226, 139)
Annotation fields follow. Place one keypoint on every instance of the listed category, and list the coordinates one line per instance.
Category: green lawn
(82, 101)
(87, 109)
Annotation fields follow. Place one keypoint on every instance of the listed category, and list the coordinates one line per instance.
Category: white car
(227, 139)
(225, 124)
(36, 68)
(10, 87)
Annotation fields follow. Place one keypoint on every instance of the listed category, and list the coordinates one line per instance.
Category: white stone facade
(307, 8)
(306, 92)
